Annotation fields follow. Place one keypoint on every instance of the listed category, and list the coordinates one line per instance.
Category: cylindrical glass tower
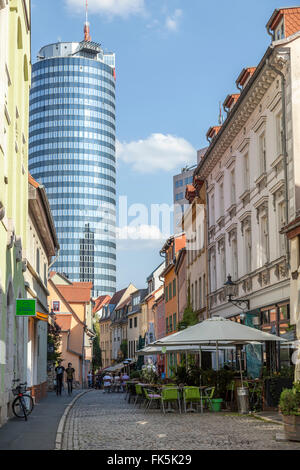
(72, 153)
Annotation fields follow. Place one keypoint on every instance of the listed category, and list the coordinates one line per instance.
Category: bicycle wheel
(19, 408)
(28, 403)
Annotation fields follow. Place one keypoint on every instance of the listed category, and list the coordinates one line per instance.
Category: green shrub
(289, 402)
(135, 374)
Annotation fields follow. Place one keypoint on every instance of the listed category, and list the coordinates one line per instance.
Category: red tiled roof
(64, 320)
(231, 100)
(100, 301)
(291, 20)
(117, 296)
(32, 181)
(75, 293)
(244, 75)
(212, 131)
(126, 302)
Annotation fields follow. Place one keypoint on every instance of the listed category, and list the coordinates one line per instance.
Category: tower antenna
(87, 36)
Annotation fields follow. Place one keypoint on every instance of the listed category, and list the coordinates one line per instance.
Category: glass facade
(72, 153)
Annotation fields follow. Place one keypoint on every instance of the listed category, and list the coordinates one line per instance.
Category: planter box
(292, 427)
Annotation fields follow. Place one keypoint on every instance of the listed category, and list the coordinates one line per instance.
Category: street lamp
(243, 304)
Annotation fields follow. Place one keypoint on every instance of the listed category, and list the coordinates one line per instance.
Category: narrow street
(101, 421)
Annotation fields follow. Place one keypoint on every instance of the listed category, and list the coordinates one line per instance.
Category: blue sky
(175, 61)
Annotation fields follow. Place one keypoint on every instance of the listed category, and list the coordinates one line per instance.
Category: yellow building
(15, 72)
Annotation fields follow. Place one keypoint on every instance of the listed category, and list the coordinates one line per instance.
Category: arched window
(19, 35)
(25, 68)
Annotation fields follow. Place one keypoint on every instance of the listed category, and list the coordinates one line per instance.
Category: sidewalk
(39, 432)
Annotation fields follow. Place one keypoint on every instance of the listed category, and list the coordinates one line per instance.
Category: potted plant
(289, 406)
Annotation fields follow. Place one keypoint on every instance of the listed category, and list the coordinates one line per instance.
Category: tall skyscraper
(72, 152)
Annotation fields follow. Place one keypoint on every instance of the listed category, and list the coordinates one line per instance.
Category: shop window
(56, 306)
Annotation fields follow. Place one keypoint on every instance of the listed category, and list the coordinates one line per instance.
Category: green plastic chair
(139, 394)
(170, 395)
(150, 397)
(191, 395)
(209, 393)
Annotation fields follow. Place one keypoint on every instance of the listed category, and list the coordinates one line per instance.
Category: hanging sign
(164, 349)
(25, 307)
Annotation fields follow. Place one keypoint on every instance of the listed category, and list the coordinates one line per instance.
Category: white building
(252, 173)
(42, 245)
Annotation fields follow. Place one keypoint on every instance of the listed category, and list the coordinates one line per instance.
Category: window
(212, 270)
(130, 323)
(170, 291)
(166, 295)
(174, 287)
(193, 305)
(246, 172)
(221, 194)
(279, 134)
(170, 323)
(135, 322)
(196, 295)
(212, 209)
(204, 291)
(45, 274)
(56, 306)
(174, 321)
(167, 324)
(248, 250)
(281, 223)
(262, 153)
(223, 262)
(232, 177)
(200, 292)
(234, 259)
(38, 261)
(264, 240)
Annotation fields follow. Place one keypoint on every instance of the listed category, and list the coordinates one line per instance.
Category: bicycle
(22, 405)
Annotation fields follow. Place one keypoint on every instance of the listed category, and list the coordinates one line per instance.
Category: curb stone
(61, 425)
(268, 420)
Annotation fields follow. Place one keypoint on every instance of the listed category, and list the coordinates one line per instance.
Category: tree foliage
(53, 340)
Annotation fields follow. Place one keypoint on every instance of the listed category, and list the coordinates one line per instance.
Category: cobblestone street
(107, 422)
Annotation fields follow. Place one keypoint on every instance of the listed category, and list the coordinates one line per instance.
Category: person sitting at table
(107, 381)
(117, 383)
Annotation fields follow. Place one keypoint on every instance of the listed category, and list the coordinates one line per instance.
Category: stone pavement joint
(99, 421)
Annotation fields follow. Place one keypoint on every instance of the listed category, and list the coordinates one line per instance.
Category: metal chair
(150, 397)
(209, 393)
(139, 394)
(170, 395)
(191, 395)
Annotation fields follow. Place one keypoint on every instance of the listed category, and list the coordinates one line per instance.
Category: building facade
(15, 76)
(196, 248)
(42, 246)
(251, 171)
(72, 153)
(134, 322)
(72, 305)
(170, 250)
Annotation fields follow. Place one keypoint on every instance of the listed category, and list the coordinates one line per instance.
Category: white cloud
(172, 21)
(140, 232)
(157, 152)
(122, 8)
(140, 238)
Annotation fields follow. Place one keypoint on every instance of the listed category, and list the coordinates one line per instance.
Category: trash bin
(243, 400)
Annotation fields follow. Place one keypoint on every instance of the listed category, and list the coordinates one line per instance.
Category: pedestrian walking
(90, 379)
(59, 377)
(124, 379)
(117, 383)
(70, 377)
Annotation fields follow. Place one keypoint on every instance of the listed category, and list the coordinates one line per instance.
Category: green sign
(164, 349)
(25, 307)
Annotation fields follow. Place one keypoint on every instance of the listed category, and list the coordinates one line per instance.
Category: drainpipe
(285, 154)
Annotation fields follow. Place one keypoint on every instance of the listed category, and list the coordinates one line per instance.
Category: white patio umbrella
(216, 331)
